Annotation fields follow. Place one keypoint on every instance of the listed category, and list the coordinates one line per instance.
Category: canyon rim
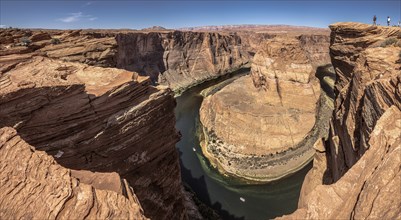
(205, 122)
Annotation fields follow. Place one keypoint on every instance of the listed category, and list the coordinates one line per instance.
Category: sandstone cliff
(368, 77)
(34, 186)
(99, 120)
(262, 127)
(173, 58)
(357, 174)
(180, 59)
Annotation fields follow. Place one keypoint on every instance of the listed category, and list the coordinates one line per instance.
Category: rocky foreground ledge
(262, 127)
(357, 175)
(90, 119)
(33, 185)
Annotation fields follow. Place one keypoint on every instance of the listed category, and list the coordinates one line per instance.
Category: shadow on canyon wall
(84, 130)
(142, 53)
(321, 73)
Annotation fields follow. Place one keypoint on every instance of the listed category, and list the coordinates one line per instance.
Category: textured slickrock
(40, 36)
(180, 59)
(262, 127)
(371, 188)
(9, 36)
(34, 186)
(84, 48)
(368, 82)
(96, 49)
(100, 120)
(357, 174)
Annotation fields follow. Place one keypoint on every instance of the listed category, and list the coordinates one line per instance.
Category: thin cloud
(2, 26)
(87, 4)
(78, 16)
(72, 18)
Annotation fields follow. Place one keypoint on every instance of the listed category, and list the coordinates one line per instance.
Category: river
(262, 201)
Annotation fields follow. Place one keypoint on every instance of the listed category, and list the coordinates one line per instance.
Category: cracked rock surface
(357, 174)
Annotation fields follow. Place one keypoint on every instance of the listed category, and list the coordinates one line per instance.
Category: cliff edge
(100, 120)
(34, 185)
(357, 174)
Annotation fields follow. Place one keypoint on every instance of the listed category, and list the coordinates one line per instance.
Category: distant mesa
(155, 28)
(255, 27)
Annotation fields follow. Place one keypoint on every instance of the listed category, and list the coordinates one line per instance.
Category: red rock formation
(363, 150)
(40, 37)
(371, 188)
(100, 120)
(34, 186)
(180, 59)
(367, 84)
(262, 127)
(173, 58)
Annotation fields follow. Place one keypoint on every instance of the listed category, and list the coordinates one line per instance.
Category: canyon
(262, 127)
(88, 128)
(92, 101)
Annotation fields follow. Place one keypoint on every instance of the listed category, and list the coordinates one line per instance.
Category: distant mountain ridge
(251, 27)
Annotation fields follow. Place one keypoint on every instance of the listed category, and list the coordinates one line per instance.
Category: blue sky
(74, 14)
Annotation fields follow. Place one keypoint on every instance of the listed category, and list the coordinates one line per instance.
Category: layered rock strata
(357, 173)
(173, 58)
(262, 127)
(99, 120)
(33, 185)
(180, 59)
(368, 77)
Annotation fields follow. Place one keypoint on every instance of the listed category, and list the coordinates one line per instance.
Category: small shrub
(388, 42)
(55, 41)
(25, 41)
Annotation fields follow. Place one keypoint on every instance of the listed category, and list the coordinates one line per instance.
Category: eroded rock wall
(181, 59)
(356, 175)
(262, 127)
(34, 186)
(100, 120)
(368, 83)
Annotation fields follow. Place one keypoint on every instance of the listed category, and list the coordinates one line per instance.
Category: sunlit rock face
(356, 174)
(34, 185)
(100, 120)
(261, 127)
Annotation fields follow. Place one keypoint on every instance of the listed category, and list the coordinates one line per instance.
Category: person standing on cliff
(374, 20)
(388, 20)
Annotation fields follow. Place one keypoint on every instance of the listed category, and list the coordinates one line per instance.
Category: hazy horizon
(181, 14)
